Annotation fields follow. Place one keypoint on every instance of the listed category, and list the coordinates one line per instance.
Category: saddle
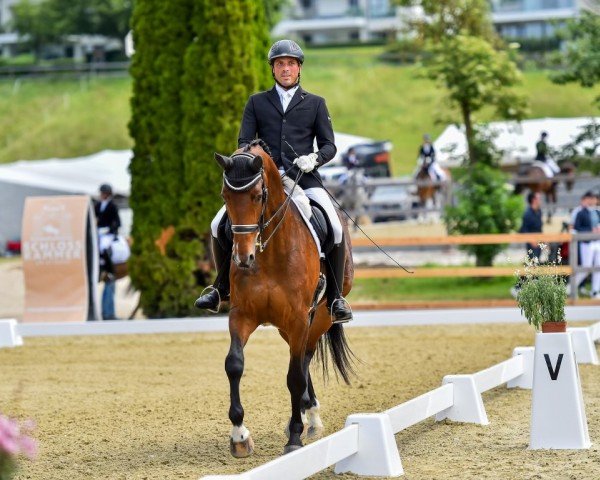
(318, 220)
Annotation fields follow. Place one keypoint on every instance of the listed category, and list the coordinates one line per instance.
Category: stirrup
(219, 295)
(340, 299)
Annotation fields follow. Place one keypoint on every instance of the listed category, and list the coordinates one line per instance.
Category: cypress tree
(195, 65)
(221, 71)
(162, 34)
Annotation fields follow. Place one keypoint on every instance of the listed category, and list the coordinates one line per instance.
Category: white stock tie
(285, 100)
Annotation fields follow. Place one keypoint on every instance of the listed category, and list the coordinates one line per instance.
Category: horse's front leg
(296, 382)
(240, 443)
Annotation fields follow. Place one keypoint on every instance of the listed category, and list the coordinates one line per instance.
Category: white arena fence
(366, 445)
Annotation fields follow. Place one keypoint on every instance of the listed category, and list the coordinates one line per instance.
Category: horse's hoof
(241, 449)
(314, 432)
(290, 448)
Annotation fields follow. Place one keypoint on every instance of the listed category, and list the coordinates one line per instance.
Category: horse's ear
(225, 162)
(257, 163)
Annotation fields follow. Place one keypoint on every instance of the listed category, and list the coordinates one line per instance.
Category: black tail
(342, 356)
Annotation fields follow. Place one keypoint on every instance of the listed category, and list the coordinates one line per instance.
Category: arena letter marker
(558, 418)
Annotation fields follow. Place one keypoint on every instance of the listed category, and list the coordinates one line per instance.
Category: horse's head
(244, 192)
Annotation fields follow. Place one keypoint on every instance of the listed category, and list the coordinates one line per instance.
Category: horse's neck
(289, 220)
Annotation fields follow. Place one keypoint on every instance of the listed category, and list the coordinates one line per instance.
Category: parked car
(373, 157)
(390, 202)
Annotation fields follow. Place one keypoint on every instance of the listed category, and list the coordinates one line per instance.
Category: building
(342, 21)
(321, 22)
(536, 18)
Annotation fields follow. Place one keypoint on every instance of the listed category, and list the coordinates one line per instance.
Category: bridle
(262, 224)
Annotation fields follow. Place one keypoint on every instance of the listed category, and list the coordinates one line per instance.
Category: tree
(466, 57)
(581, 57)
(475, 76)
(195, 65)
(37, 21)
(47, 21)
(484, 203)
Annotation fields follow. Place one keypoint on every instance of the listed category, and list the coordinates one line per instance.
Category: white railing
(459, 399)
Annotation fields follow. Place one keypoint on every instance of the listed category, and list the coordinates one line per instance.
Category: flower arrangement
(542, 296)
(15, 442)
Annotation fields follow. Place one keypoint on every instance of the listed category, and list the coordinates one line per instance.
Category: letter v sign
(553, 372)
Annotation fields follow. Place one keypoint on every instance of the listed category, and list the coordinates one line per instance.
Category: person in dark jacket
(289, 119)
(531, 223)
(585, 223)
(108, 222)
(543, 155)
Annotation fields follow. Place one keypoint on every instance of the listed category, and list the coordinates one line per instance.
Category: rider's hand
(307, 163)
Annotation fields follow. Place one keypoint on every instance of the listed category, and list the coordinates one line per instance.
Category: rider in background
(288, 119)
(108, 222)
(542, 155)
(427, 159)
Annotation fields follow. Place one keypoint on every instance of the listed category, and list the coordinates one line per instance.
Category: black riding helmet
(285, 48)
(106, 188)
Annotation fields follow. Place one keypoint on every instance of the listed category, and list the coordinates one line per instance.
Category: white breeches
(318, 195)
(586, 252)
(435, 172)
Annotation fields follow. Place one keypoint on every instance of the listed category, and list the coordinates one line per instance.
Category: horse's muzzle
(244, 261)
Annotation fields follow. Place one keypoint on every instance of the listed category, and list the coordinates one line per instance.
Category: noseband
(262, 224)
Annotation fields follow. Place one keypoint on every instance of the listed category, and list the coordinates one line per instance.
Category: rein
(262, 224)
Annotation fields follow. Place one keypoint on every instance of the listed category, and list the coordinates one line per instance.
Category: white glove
(307, 163)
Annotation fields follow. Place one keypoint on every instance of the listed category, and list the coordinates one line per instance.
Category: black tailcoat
(305, 119)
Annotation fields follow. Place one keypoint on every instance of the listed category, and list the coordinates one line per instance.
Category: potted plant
(542, 295)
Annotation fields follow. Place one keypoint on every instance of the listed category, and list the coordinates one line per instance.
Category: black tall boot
(220, 289)
(337, 305)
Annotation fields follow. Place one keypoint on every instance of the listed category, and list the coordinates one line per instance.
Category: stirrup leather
(210, 288)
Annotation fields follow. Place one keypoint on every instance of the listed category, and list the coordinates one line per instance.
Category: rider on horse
(427, 160)
(288, 119)
(549, 165)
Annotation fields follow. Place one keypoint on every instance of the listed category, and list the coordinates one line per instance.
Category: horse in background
(276, 278)
(535, 179)
(430, 193)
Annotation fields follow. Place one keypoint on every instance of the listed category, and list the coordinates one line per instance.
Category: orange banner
(54, 247)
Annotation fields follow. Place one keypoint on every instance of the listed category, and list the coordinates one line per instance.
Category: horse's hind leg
(315, 425)
(240, 443)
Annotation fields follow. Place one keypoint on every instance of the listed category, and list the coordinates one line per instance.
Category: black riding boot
(220, 289)
(337, 305)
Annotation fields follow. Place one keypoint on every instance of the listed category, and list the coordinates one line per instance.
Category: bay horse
(535, 180)
(274, 275)
(427, 189)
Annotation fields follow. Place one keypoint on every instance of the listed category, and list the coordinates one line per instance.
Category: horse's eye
(258, 198)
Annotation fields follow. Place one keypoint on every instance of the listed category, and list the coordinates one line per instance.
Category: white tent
(516, 140)
(54, 176)
(81, 175)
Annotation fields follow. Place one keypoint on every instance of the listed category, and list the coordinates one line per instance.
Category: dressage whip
(347, 214)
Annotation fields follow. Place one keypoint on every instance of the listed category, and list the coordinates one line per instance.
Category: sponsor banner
(55, 245)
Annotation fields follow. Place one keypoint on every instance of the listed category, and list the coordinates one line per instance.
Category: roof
(81, 175)
(516, 140)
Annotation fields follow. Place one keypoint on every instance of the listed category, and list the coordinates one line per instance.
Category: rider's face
(286, 71)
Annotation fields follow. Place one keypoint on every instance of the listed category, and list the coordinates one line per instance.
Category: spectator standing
(531, 223)
(584, 223)
(108, 222)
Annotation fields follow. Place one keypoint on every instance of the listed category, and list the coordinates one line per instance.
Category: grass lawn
(423, 289)
(67, 118)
